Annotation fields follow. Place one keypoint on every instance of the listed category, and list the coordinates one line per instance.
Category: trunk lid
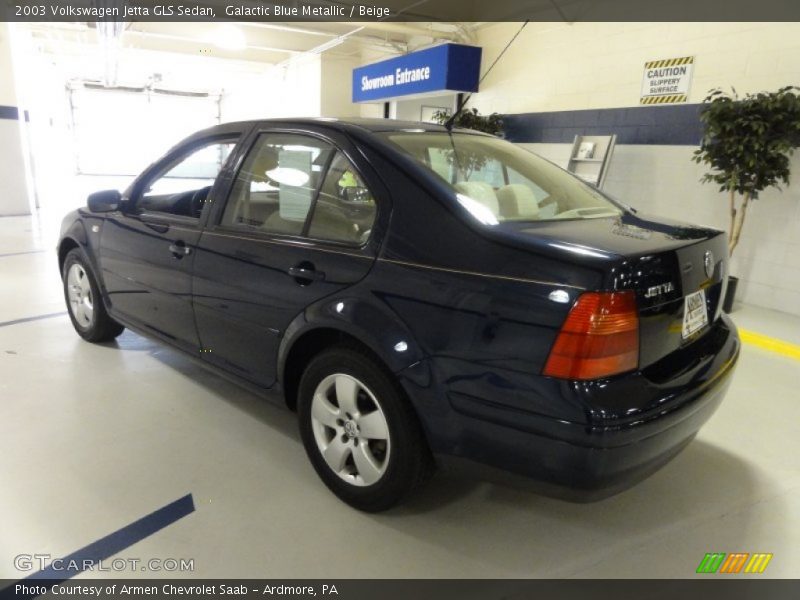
(663, 261)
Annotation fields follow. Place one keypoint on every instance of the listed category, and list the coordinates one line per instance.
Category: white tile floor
(95, 437)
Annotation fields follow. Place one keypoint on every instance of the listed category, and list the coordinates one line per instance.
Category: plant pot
(730, 294)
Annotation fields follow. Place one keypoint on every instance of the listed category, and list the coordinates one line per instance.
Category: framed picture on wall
(427, 112)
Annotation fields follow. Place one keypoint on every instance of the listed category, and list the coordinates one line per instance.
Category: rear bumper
(602, 456)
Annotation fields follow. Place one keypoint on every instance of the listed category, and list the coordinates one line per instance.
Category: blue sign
(449, 67)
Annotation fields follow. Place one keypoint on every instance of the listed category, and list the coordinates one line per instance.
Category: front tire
(84, 301)
(359, 431)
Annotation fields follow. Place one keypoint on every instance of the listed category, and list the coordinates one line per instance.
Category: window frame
(215, 221)
(169, 161)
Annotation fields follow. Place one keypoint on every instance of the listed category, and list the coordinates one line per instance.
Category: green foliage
(748, 141)
(467, 163)
(470, 119)
(747, 145)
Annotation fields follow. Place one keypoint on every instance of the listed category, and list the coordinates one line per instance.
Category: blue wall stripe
(9, 112)
(116, 542)
(677, 124)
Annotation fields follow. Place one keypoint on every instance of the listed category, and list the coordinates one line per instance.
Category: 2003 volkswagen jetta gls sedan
(415, 294)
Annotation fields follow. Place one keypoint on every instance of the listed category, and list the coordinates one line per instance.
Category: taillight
(600, 337)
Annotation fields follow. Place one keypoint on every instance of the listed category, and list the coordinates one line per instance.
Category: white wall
(411, 109)
(558, 67)
(336, 91)
(311, 86)
(274, 92)
(555, 66)
(14, 195)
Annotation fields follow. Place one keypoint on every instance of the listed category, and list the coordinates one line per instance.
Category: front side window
(299, 185)
(496, 181)
(183, 186)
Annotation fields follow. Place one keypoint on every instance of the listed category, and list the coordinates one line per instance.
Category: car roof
(370, 125)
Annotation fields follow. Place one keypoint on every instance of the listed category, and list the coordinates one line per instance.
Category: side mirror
(358, 196)
(105, 201)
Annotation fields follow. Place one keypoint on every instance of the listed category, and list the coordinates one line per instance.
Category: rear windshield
(497, 181)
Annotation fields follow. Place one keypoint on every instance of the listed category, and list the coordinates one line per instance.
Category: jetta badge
(656, 290)
(708, 263)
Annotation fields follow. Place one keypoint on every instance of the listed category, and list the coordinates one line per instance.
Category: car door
(297, 227)
(147, 248)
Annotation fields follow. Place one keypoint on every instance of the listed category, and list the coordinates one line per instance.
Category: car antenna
(449, 123)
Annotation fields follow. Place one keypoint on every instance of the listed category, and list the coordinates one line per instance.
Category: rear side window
(301, 186)
(345, 208)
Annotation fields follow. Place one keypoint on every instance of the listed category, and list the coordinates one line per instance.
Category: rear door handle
(179, 249)
(303, 274)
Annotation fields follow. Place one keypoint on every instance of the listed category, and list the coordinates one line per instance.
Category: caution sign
(667, 81)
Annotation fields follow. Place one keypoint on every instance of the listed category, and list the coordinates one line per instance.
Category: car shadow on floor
(697, 481)
(703, 484)
(267, 409)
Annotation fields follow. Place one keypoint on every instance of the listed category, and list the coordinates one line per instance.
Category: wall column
(13, 181)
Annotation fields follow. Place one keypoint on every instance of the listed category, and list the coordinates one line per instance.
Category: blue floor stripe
(115, 543)
(29, 319)
(21, 253)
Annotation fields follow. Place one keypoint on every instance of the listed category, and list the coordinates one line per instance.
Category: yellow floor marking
(770, 344)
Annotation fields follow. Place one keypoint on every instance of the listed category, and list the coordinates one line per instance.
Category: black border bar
(710, 587)
(356, 11)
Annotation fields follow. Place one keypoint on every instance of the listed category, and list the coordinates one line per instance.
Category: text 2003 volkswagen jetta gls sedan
(415, 294)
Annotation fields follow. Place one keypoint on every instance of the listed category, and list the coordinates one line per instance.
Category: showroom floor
(96, 437)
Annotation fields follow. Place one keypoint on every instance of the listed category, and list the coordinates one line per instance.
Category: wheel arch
(343, 320)
(74, 237)
(64, 247)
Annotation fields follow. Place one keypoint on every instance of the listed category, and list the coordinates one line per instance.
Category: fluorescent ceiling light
(229, 37)
(288, 176)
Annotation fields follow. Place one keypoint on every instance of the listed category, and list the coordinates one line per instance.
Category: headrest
(479, 191)
(266, 160)
(517, 200)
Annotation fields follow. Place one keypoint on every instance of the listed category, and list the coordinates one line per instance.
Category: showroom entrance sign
(448, 67)
(667, 81)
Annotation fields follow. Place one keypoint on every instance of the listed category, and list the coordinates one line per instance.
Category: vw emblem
(708, 263)
(350, 429)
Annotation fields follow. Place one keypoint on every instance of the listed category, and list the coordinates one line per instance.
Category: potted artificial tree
(469, 162)
(747, 144)
(471, 119)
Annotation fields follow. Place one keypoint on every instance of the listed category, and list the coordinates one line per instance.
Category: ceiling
(264, 42)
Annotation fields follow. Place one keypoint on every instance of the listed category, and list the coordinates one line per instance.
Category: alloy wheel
(79, 291)
(350, 429)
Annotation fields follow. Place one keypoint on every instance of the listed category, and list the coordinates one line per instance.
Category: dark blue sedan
(416, 295)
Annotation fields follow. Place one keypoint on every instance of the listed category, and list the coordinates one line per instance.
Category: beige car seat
(518, 201)
(481, 192)
(265, 161)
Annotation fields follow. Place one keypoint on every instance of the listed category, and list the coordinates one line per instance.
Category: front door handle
(179, 249)
(305, 273)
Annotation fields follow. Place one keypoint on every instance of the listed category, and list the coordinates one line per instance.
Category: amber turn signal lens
(599, 338)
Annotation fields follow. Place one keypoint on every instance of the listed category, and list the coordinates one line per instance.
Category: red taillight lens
(600, 337)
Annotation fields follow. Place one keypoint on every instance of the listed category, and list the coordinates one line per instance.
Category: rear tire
(359, 431)
(84, 301)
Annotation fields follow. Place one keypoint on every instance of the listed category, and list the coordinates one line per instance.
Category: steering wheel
(198, 201)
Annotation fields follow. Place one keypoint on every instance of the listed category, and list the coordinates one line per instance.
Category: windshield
(497, 181)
